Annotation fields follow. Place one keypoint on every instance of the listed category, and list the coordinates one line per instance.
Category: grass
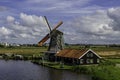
(106, 70)
(117, 61)
(55, 65)
(106, 73)
(101, 50)
(107, 52)
(23, 50)
(64, 67)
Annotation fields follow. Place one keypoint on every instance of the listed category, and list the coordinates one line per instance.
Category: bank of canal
(108, 69)
(25, 70)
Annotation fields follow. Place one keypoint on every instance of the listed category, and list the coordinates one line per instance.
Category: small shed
(84, 56)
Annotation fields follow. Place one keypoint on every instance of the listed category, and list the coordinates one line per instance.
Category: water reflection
(53, 75)
(25, 70)
(66, 75)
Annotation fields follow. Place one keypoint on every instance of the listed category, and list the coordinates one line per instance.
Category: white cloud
(100, 27)
(10, 19)
(96, 23)
(31, 20)
(28, 27)
(4, 31)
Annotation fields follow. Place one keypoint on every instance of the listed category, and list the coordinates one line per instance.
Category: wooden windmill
(56, 40)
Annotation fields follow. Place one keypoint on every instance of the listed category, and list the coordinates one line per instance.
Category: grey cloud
(113, 13)
(99, 27)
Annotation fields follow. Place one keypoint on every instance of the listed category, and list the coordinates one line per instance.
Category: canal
(25, 70)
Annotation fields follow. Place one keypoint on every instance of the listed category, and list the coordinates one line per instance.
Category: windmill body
(56, 42)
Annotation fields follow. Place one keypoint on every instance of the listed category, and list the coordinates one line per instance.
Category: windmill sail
(47, 23)
(40, 43)
(60, 23)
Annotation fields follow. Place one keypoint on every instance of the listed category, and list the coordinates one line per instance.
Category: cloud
(10, 19)
(56, 6)
(4, 31)
(113, 13)
(100, 27)
(31, 20)
(28, 27)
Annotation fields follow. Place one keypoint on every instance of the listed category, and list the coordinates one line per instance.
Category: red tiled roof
(71, 53)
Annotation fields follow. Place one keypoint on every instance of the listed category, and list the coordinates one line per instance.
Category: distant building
(14, 44)
(71, 56)
(4, 44)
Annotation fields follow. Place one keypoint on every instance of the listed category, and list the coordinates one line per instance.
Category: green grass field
(23, 50)
(103, 51)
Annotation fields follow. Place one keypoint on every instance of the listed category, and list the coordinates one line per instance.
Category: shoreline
(103, 71)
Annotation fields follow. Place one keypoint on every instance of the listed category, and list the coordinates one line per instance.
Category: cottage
(84, 56)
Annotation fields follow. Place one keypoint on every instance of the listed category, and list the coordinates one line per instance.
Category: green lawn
(117, 61)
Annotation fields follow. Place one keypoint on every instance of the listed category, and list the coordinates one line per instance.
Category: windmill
(56, 41)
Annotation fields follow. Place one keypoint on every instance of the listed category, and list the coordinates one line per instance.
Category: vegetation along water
(108, 69)
(25, 70)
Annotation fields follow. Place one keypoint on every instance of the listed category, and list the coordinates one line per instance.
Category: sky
(84, 21)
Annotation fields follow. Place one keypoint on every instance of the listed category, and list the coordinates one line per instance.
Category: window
(98, 60)
(88, 54)
(78, 61)
(81, 61)
(89, 61)
(91, 54)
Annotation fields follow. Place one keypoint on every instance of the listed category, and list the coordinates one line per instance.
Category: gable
(90, 53)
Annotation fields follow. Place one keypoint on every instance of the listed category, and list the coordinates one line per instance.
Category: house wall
(89, 58)
(50, 56)
(65, 60)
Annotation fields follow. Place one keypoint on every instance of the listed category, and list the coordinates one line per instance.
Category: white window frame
(81, 61)
(88, 61)
(91, 60)
(98, 60)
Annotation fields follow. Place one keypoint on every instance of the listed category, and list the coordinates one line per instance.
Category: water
(25, 70)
